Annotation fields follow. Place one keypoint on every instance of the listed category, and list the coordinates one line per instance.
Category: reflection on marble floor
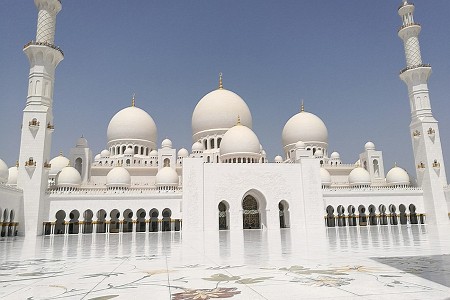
(343, 263)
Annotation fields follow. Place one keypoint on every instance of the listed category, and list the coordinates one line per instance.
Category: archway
(372, 215)
(330, 216)
(5, 222)
(351, 215)
(101, 221)
(166, 221)
(403, 217)
(341, 216)
(140, 222)
(74, 226)
(12, 230)
(383, 216)
(224, 219)
(127, 221)
(154, 214)
(87, 216)
(362, 215)
(114, 224)
(251, 216)
(283, 213)
(393, 214)
(60, 222)
(79, 165)
(413, 215)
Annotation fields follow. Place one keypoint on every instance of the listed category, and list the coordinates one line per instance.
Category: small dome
(325, 177)
(118, 177)
(153, 153)
(57, 164)
(369, 146)
(278, 159)
(82, 143)
(128, 151)
(98, 157)
(166, 177)
(239, 140)
(335, 155)
(197, 147)
(68, 177)
(105, 153)
(4, 172)
(397, 176)
(13, 173)
(217, 111)
(132, 123)
(166, 144)
(318, 153)
(300, 145)
(183, 153)
(359, 176)
(305, 127)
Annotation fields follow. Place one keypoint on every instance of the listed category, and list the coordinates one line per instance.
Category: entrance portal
(251, 217)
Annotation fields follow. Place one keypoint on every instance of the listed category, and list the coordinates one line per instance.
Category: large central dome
(132, 123)
(217, 112)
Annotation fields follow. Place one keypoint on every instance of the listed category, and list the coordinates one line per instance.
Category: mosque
(225, 181)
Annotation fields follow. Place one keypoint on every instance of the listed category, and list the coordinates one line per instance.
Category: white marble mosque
(225, 182)
(221, 220)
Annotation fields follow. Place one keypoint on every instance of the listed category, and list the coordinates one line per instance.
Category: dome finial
(302, 107)
(17, 163)
(395, 165)
(220, 81)
(133, 99)
(238, 120)
(60, 153)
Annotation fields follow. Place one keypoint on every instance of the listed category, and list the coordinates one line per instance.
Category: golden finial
(395, 165)
(60, 153)
(238, 120)
(133, 99)
(17, 163)
(220, 81)
(302, 108)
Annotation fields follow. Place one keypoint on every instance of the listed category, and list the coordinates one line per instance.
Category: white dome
(239, 140)
(300, 145)
(132, 123)
(98, 157)
(68, 177)
(4, 172)
(278, 159)
(305, 127)
(13, 173)
(128, 151)
(105, 153)
(397, 176)
(325, 177)
(82, 143)
(153, 153)
(369, 146)
(183, 153)
(166, 143)
(217, 112)
(118, 177)
(57, 164)
(166, 177)
(197, 147)
(359, 176)
(318, 154)
(335, 155)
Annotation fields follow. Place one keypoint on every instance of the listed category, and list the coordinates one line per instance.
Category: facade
(225, 182)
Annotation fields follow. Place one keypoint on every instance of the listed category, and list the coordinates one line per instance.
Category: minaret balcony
(415, 67)
(408, 25)
(30, 43)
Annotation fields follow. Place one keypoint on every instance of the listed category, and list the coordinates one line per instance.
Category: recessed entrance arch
(283, 212)
(253, 210)
(224, 215)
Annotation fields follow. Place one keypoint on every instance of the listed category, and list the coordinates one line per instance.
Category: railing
(8, 229)
(389, 219)
(43, 44)
(53, 190)
(415, 67)
(372, 189)
(408, 25)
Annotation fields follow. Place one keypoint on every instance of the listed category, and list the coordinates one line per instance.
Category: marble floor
(337, 263)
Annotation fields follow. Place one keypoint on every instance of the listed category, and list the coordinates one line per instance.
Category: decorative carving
(421, 165)
(416, 134)
(50, 126)
(34, 123)
(47, 165)
(436, 164)
(30, 163)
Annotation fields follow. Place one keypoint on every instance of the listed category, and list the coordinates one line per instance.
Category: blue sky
(342, 57)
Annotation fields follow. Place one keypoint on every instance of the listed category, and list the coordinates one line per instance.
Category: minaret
(37, 124)
(424, 128)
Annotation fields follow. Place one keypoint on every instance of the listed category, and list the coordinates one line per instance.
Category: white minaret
(424, 127)
(37, 124)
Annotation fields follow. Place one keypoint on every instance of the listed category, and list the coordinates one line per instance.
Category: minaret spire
(424, 128)
(37, 128)
(220, 81)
